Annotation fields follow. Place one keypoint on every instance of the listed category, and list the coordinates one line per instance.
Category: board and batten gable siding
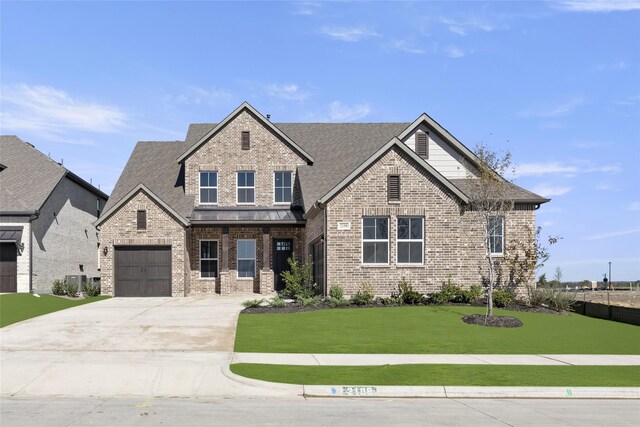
(223, 153)
(162, 229)
(441, 155)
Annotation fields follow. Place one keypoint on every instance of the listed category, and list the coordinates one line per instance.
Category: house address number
(344, 226)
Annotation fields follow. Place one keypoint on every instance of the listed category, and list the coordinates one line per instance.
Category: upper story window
(141, 220)
(393, 188)
(208, 187)
(246, 187)
(410, 240)
(282, 187)
(375, 240)
(495, 228)
(246, 140)
(422, 144)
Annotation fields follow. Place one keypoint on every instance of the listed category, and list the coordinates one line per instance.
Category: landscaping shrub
(501, 298)
(299, 281)
(364, 295)
(58, 287)
(394, 299)
(277, 302)
(90, 289)
(550, 297)
(252, 303)
(472, 295)
(536, 296)
(336, 292)
(71, 290)
(310, 302)
(438, 298)
(407, 295)
(334, 302)
(452, 292)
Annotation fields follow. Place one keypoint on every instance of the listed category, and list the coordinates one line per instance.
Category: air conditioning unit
(78, 279)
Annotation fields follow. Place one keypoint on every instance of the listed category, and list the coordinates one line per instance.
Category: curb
(294, 389)
(459, 392)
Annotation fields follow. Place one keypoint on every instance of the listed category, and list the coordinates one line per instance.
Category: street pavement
(56, 412)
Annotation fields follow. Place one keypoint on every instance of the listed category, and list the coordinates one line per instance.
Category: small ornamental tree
(490, 195)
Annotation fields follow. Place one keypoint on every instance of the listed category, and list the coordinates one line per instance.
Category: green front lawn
(430, 329)
(446, 375)
(18, 307)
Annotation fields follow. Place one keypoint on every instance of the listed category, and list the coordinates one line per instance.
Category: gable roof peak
(245, 106)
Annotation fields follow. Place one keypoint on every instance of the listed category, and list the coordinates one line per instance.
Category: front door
(8, 267)
(282, 251)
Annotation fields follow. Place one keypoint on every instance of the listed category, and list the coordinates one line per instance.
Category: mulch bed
(495, 321)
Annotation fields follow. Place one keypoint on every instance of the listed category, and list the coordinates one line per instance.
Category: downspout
(32, 217)
(324, 249)
(186, 261)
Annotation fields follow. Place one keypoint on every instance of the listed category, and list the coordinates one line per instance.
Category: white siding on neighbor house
(23, 264)
(442, 156)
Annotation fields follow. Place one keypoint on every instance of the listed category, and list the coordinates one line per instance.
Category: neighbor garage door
(8, 267)
(142, 271)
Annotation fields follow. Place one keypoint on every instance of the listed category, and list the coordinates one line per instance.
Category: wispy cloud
(604, 186)
(306, 8)
(287, 91)
(634, 206)
(612, 234)
(348, 34)
(551, 168)
(463, 27)
(556, 110)
(548, 190)
(407, 47)
(51, 113)
(590, 144)
(598, 5)
(339, 112)
(619, 65)
(196, 95)
(628, 101)
(453, 51)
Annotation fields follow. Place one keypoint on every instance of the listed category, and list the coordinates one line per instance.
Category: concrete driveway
(163, 347)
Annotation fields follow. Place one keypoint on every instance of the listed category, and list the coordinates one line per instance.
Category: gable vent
(142, 220)
(393, 188)
(245, 140)
(422, 144)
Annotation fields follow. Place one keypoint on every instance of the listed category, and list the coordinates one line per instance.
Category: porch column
(225, 279)
(266, 273)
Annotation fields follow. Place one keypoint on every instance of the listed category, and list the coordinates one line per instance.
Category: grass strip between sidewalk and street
(430, 330)
(18, 307)
(445, 375)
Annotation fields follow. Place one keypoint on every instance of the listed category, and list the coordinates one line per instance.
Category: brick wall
(452, 240)
(223, 153)
(162, 229)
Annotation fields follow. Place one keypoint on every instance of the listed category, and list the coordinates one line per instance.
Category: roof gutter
(20, 213)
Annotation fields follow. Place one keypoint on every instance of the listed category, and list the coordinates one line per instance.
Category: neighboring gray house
(46, 220)
(221, 211)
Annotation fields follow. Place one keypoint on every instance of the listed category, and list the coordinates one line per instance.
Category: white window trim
(255, 261)
(200, 258)
(209, 187)
(246, 187)
(491, 253)
(274, 189)
(363, 240)
(399, 240)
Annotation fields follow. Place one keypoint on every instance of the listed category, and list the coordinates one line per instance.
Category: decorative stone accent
(266, 282)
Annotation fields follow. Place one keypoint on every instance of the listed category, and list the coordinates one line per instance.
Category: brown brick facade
(223, 153)
(452, 238)
(162, 229)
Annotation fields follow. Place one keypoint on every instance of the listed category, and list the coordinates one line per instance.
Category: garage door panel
(143, 271)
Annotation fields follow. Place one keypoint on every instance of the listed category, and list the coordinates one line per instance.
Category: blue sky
(555, 83)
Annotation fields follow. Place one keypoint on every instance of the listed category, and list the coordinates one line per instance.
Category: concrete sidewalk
(447, 359)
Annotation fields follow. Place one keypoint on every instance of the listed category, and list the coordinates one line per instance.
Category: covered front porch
(242, 250)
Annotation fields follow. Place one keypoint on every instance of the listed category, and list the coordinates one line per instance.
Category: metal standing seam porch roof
(11, 234)
(253, 215)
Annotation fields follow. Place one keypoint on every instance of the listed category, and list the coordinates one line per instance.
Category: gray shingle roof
(517, 194)
(153, 163)
(29, 177)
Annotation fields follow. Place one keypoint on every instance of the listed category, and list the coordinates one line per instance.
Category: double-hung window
(246, 256)
(282, 187)
(208, 258)
(208, 188)
(496, 235)
(246, 187)
(410, 240)
(375, 240)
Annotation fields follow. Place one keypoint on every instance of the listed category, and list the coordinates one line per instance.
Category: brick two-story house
(221, 211)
